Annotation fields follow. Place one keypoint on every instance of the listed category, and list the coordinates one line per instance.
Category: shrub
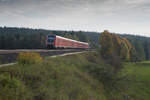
(29, 58)
(12, 89)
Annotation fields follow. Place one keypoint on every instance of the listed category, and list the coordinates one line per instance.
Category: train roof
(70, 39)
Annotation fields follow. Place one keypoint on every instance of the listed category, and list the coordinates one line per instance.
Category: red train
(54, 41)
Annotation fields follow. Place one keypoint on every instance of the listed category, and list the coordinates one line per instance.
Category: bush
(29, 58)
(12, 89)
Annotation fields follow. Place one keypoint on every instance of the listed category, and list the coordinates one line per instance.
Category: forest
(26, 38)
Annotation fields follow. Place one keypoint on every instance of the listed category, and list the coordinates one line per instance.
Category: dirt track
(9, 56)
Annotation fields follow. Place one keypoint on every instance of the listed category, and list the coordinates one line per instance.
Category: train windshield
(51, 38)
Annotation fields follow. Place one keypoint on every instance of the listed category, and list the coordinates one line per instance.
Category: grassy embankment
(60, 78)
(74, 77)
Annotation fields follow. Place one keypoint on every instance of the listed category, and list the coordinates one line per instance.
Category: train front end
(50, 41)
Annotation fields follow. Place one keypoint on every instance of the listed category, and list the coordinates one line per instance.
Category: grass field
(139, 80)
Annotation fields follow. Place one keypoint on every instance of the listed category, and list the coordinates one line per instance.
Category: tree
(113, 45)
(109, 50)
(140, 50)
(106, 44)
(147, 50)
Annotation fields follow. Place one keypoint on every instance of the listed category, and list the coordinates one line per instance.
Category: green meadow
(138, 80)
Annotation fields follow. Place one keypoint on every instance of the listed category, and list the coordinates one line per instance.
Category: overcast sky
(122, 16)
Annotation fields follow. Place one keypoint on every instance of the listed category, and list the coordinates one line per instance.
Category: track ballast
(9, 56)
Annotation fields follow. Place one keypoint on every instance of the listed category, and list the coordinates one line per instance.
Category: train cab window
(51, 38)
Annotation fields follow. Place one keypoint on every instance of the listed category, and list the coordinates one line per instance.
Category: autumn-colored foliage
(114, 45)
(29, 58)
(106, 44)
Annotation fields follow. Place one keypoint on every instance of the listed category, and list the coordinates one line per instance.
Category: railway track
(65, 54)
(9, 56)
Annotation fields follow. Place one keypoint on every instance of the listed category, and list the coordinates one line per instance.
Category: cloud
(77, 14)
(39, 8)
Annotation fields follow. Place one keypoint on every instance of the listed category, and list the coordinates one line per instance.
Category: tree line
(141, 45)
(25, 38)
